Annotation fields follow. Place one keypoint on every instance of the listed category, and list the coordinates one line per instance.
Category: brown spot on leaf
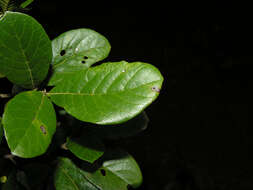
(156, 89)
(85, 57)
(43, 129)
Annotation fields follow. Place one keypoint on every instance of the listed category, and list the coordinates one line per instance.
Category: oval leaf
(110, 93)
(29, 123)
(87, 147)
(76, 50)
(25, 50)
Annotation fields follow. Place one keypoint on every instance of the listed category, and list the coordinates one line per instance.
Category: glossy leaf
(25, 50)
(87, 147)
(76, 50)
(110, 93)
(69, 177)
(26, 3)
(29, 123)
(1, 130)
(125, 167)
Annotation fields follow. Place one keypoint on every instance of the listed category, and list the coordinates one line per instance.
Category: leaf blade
(25, 50)
(76, 50)
(87, 148)
(29, 128)
(111, 93)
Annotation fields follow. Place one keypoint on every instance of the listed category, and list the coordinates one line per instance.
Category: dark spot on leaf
(63, 52)
(103, 172)
(156, 89)
(85, 57)
(42, 128)
(83, 62)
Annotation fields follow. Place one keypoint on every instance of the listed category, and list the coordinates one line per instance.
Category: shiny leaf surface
(29, 123)
(25, 50)
(110, 93)
(76, 50)
(125, 167)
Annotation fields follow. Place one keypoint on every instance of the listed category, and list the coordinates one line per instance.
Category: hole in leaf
(63, 52)
(43, 129)
(103, 172)
(156, 89)
(85, 57)
(83, 62)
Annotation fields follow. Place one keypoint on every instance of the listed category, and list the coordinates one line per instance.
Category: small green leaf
(26, 3)
(111, 93)
(29, 123)
(76, 50)
(87, 147)
(1, 130)
(25, 50)
(123, 165)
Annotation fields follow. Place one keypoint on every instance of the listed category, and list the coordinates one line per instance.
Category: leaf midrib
(102, 94)
(35, 117)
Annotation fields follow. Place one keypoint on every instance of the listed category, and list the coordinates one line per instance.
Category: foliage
(92, 104)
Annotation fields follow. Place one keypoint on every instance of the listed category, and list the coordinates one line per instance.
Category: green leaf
(110, 93)
(76, 50)
(87, 147)
(29, 122)
(123, 165)
(1, 130)
(26, 3)
(25, 50)
(117, 172)
(68, 176)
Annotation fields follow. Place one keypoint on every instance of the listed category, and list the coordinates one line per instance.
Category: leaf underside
(110, 93)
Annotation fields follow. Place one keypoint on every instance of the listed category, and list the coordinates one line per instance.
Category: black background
(200, 131)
